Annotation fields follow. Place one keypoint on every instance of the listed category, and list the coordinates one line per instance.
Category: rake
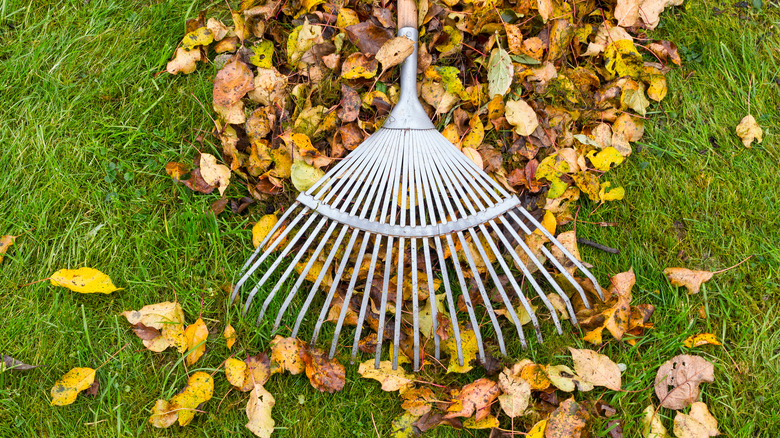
(407, 194)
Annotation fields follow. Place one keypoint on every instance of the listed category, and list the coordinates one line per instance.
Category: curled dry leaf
(185, 61)
(83, 280)
(567, 421)
(167, 318)
(652, 426)
(196, 335)
(391, 380)
(476, 397)
(327, 375)
(701, 339)
(698, 423)
(691, 279)
(9, 363)
(258, 411)
(520, 115)
(596, 368)
(748, 130)
(214, 174)
(677, 381)
(394, 51)
(66, 389)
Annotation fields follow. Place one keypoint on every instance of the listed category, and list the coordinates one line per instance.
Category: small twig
(32, 282)
(374, 422)
(112, 356)
(593, 244)
(732, 267)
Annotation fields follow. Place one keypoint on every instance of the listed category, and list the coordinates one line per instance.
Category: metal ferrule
(408, 113)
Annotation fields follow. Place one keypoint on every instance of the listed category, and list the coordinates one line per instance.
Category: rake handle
(407, 13)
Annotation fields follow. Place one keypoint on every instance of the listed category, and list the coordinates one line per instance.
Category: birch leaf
(83, 280)
(66, 389)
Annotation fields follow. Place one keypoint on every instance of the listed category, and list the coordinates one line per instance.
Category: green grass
(88, 126)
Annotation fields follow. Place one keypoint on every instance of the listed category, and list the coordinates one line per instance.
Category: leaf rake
(407, 194)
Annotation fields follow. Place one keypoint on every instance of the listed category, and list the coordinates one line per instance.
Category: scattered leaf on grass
(214, 174)
(701, 339)
(9, 363)
(235, 372)
(403, 426)
(258, 411)
(567, 421)
(327, 375)
(691, 279)
(163, 415)
(476, 397)
(258, 371)
(748, 130)
(5, 243)
(167, 318)
(262, 227)
(677, 381)
(652, 426)
(83, 280)
(596, 368)
(698, 423)
(70, 385)
(391, 380)
(196, 335)
(199, 389)
(516, 393)
(230, 336)
(286, 355)
(185, 61)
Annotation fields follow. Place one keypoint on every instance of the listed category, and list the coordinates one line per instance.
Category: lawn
(88, 124)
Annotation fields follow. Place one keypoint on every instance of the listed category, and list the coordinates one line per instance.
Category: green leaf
(525, 59)
(500, 71)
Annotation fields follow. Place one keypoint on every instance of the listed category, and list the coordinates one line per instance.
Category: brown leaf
(394, 51)
(418, 401)
(258, 371)
(688, 278)
(596, 368)
(476, 396)
(197, 183)
(176, 170)
(350, 104)
(5, 243)
(327, 375)
(568, 421)
(368, 37)
(163, 414)
(144, 332)
(699, 423)
(10, 363)
(678, 379)
(93, 389)
(232, 82)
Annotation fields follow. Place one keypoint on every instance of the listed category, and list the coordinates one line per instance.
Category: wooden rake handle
(407, 13)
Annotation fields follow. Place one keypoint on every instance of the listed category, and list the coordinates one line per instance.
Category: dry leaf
(232, 82)
(391, 380)
(699, 423)
(520, 115)
(166, 317)
(199, 389)
(257, 372)
(230, 336)
(596, 368)
(516, 393)
(163, 415)
(196, 335)
(678, 379)
(66, 389)
(258, 410)
(394, 51)
(469, 349)
(748, 130)
(474, 397)
(83, 280)
(5, 243)
(286, 355)
(304, 176)
(567, 421)
(262, 227)
(185, 61)
(416, 401)
(9, 363)
(236, 372)
(327, 375)
(688, 278)
(214, 174)
(701, 339)
(652, 426)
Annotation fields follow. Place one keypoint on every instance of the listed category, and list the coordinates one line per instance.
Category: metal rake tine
(412, 175)
(399, 301)
(450, 300)
(432, 299)
(466, 298)
(248, 273)
(566, 274)
(281, 257)
(268, 237)
(550, 280)
(316, 285)
(520, 264)
(348, 294)
(366, 296)
(383, 306)
(334, 286)
(563, 249)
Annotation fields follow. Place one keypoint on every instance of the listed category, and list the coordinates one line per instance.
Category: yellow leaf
(633, 96)
(214, 174)
(167, 317)
(418, 401)
(538, 430)
(5, 243)
(614, 194)
(402, 426)
(358, 65)
(548, 222)
(304, 175)
(698, 423)
(454, 41)
(657, 89)
(230, 336)
(588, 182)
(83, 280)
(623, 59)
(196, 335)
(285, 355)
(391, 380)
(652, 426)
(689, 278)
(748, 130)
(605, 159)
(262, 54)
(701, 339)
(551, 168)
(70, 385)
(488, 422)
(474, 137)
(346, 17)
(201, 36)
(261, 229)
(450, 132)
(235, 372)
(520, 115)
(470, 349)
(258, 411)
(199, 389)
(596, 368)
(162, 415)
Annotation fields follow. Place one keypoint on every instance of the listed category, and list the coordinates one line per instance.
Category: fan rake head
(407, 204)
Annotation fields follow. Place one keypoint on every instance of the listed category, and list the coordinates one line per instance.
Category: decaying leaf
(214, 174)
(83, 280)
(196, 335)
(652, 426)
(476, 397)
(325, 374)
(286, 355)
(701, 339)
(567, 421)
(232, 82)
(520, 115)
(748, 130)
(516, 393)
(391, 380)
(9, 363)
(199, 389)
(230, 336)
(470, 348)
(163, 415)
(417, 401)
(677, 381)
(5, 243)
(185, 61)
(698, 423)
(691, 279)
(66, 389)
(596, 368)
(257, 371)
(235, 372)
(394, 51)
(167, 318)
(258, 411)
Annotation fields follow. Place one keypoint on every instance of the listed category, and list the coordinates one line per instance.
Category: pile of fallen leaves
(546, 96)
